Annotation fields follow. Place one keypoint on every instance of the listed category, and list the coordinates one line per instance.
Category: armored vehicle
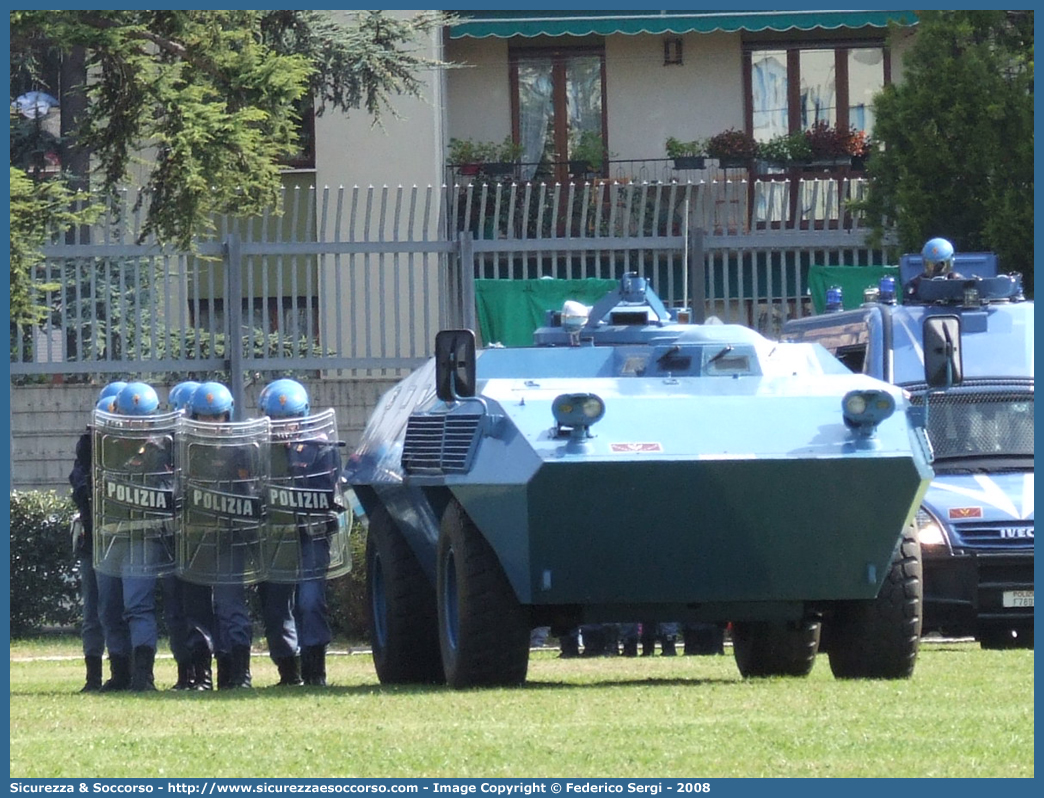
(630, 467)
(975, 523)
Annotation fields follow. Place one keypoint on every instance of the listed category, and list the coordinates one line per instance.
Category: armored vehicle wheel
(879, 638)
(403, 617)
(775, 648)
(483, 630)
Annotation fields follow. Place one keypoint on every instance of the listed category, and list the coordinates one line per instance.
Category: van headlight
(929, 530)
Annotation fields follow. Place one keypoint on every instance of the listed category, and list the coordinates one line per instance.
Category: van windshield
(963, 427)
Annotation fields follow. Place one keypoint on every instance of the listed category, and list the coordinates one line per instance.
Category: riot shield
(134, 501)
(223, 469)
(307, 521)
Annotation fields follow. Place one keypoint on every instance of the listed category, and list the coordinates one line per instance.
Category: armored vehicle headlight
(577, 411)
(864, 410)
(929, 531)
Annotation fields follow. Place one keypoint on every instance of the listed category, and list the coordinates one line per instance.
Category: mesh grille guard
(440, 444)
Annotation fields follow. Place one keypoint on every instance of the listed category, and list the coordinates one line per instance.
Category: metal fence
(359, 280)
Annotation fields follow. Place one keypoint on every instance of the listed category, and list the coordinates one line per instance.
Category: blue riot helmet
(136, 399)
(284, 398)
(211, 400)
(110, 390)
(181, 394)
(938, 257)
(107, 404)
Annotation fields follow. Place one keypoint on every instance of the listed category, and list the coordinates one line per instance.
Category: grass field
(965, 713)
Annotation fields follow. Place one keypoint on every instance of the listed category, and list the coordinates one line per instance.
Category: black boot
(186, 677)
(647, 637)
(94, 675)
(201, 659)
(630, 648)
(313, 665)
(119, 674)
(289, 671)
(669, 648)
(224, 671)
(240, 668)
(570, 646)
(142, 679)
(594, 641)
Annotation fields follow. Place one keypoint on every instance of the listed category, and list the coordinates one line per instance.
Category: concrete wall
(647, 101)
(478, 91)
(48, 419)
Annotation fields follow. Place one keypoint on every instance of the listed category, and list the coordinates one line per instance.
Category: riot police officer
(96, 632)
(311, 463)
(937, 256)
(133, 594)
(233, 631)
(188, 607)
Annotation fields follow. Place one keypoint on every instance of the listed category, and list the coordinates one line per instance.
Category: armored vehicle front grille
(1016, 535)
(440, 444)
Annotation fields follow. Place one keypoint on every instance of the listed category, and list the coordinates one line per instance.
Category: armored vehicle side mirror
(942, 351)
(454, 364)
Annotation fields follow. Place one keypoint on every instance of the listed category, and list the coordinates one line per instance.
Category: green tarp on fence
(851, 279)
(510, 310)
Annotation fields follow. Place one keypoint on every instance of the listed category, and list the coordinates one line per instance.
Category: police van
(975, 524)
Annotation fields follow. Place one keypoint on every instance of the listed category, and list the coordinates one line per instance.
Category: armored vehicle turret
(629, 467)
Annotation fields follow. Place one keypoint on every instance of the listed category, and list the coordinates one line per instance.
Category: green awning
(504, 24)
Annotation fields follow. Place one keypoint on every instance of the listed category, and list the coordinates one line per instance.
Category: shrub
(346, 596)
(468, 151)
(836, 142)
(785, 148)
(685, 149)
(45, 580)
(732, 143)
(45, 585)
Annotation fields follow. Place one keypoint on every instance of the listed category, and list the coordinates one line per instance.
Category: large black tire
(483, 630)
(402, 610)
(766, 648)
(879, 638)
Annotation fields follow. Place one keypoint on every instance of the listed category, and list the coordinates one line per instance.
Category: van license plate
(1018, 598)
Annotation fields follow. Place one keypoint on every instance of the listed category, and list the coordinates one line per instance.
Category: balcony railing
(721, 200)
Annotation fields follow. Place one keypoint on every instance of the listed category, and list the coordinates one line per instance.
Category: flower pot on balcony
(820, 164)
(689, 162)
(498, 168)
(734, 163)
(469, 169)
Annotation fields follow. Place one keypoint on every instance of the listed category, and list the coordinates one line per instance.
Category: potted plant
(785, 149)
(490, 157)
(502, 157)
(835, 145)
(588, 154)
(687, 154)
(733, 148)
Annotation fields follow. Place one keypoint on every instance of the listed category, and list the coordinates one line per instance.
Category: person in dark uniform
(312, 464)
(233, 631)
(96, 632)
(937, 256)
(133, 594)
(188, 607)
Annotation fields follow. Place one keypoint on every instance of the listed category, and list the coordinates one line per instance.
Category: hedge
(45, 585)
(45, 580)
